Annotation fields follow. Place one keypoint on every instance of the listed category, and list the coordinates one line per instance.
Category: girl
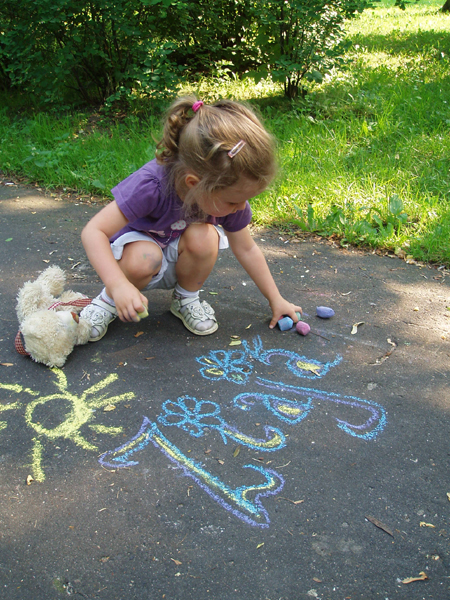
(170, 218)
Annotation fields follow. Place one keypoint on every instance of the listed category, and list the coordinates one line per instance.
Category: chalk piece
(143, 314)
(303, 328)
(285, 323)
(299, 316)
(324, 312)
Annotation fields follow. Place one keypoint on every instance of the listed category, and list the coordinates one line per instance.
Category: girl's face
(231, 199)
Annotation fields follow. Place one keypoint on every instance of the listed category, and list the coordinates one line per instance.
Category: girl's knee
(141, 260)
(200, 239)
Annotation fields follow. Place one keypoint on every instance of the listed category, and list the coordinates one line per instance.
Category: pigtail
(220, 143)
(177, 117)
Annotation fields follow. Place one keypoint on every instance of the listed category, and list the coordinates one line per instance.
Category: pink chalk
(302, 327)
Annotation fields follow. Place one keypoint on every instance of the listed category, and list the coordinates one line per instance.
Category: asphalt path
(252, 463)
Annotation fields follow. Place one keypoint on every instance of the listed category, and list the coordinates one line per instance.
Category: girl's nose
(240, 206)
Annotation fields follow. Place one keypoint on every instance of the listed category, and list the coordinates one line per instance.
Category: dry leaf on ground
(379, 524)
(355, 327)
(422, 577)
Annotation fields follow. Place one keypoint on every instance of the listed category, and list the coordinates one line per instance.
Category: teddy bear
(49, 324)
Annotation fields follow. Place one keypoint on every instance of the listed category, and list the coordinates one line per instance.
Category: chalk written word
(236, 366)
(289, 404)
(236, 500)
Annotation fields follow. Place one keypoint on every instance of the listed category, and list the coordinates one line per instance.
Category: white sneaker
(100, 314)
(198, 317)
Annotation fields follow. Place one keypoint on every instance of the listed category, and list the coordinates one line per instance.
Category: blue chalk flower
(233, 366)
(191, 415)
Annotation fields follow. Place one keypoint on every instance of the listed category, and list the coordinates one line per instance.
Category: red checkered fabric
(18, 344)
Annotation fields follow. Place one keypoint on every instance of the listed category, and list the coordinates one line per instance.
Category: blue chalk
(285, 323)
(324, 312)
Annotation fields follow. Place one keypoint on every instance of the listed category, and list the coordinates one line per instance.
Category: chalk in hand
(324, 312)
(302, 328)
(285, 323)
(143, 314)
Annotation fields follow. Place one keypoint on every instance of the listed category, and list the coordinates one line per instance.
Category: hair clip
(236, 149)
(197, 105)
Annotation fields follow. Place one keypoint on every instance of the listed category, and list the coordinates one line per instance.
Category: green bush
(301, 39)
(97, 51)
(58, 49)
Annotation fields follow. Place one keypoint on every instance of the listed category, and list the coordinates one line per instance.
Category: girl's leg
(140, 262)
(197, 253)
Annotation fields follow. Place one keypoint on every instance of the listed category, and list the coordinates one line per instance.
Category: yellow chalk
(143, 314)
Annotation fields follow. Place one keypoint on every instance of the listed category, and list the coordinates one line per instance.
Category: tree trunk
(446, 7)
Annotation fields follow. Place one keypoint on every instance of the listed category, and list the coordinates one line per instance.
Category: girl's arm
(95, 237)
(253, 261)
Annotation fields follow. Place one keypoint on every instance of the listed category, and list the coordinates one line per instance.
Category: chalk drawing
(236, 500)
(231, 365)
(373, 424)
(195, 416)
(289, 411)
(289, 404)
(236, 366)
(82, 411)
(13, 406)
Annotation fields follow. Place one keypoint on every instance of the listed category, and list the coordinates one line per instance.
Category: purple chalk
(303, 328)
(324, 312)
(285, 323)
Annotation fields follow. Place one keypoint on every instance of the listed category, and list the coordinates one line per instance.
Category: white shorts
(166, 279)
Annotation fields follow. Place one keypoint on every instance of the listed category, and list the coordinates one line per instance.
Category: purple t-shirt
(154, 208)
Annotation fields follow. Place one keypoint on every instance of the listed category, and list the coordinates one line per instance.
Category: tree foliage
(299, 39)
(105, 50)
(95, 48)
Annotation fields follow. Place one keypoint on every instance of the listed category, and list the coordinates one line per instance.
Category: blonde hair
(199, 142)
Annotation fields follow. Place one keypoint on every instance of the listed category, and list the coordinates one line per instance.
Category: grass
(364, 157)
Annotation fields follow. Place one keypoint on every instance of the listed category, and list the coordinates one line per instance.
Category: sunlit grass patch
(365, 156)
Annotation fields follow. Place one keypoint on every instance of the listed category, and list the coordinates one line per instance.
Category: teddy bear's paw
(53, 279)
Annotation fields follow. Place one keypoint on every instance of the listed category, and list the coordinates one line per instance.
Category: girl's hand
(252, 259)
(282, 308)
(129, 301)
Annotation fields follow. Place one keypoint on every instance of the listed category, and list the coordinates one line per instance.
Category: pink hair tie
(197, 105)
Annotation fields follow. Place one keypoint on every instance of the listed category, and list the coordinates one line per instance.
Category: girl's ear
(191, 180)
